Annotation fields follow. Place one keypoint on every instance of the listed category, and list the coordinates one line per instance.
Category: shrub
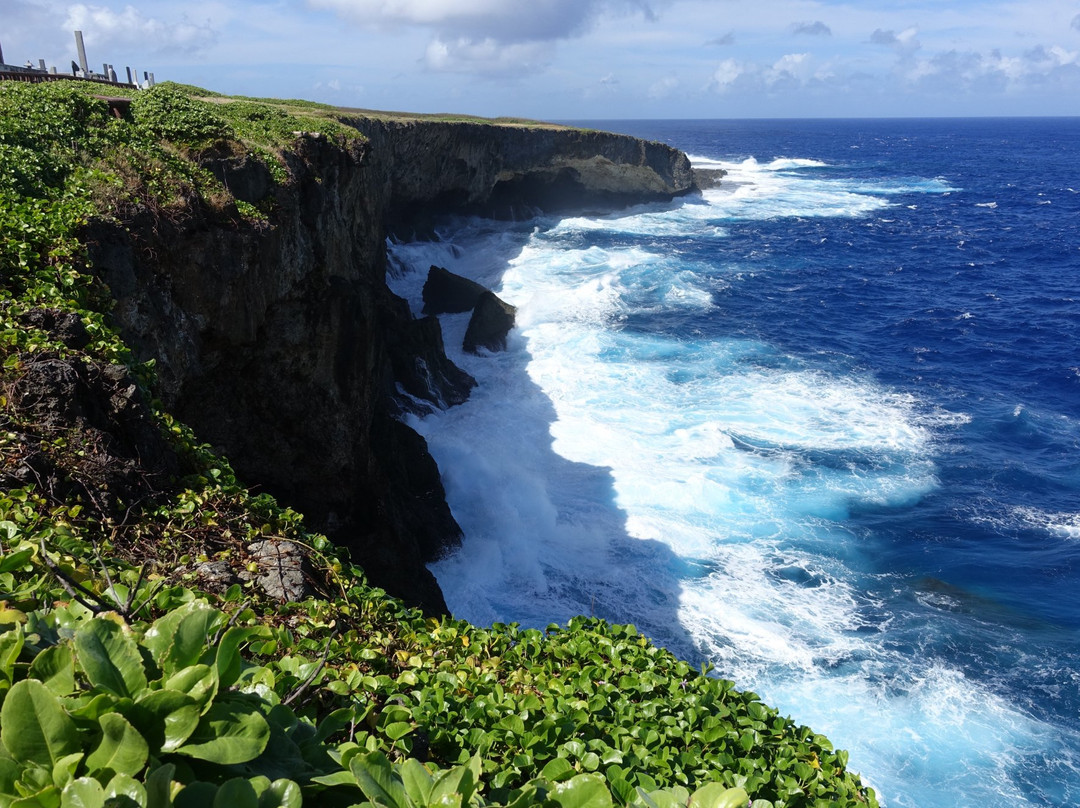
(168, 112)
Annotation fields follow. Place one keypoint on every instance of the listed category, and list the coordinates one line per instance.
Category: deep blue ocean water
(819, 426)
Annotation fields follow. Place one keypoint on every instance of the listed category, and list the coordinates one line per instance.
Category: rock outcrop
(281, 345)
(513, 171)
(448, 293)
(492, 318)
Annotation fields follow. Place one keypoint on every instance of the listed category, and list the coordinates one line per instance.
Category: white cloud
(970, 71)
(104, 27)
(726, 74)
(486, 57)
(663, 88)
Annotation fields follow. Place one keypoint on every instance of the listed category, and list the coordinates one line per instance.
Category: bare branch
(70, 585)
(307, 682)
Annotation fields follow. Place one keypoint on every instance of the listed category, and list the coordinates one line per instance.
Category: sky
(587, 59)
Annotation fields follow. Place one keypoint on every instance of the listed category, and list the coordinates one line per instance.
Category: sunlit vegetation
(124, 683)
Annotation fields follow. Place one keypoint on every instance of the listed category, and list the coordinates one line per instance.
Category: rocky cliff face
(281, 344)
(510, 171)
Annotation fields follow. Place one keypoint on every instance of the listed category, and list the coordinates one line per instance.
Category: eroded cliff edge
(280, 343)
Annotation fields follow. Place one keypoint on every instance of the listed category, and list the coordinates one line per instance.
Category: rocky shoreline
(281, 345)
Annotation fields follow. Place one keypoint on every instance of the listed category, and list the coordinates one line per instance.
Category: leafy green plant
(168, 112)
(124, 681)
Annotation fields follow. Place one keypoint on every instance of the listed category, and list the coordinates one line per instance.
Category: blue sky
(575, 59)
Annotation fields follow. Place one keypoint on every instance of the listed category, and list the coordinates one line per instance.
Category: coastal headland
(279, 342)
(204, 472)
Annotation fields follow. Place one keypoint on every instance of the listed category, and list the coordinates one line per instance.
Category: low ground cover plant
(123, 682)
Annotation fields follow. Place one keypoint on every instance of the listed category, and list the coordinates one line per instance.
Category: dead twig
(232, 619)
(307, 682)
(70, 585)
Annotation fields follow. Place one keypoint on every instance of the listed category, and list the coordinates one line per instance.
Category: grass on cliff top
(449, 117)
(123, 681)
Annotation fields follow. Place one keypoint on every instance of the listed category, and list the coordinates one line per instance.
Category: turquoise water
(818, 426)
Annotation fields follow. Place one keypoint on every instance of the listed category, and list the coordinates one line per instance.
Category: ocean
(818, 426)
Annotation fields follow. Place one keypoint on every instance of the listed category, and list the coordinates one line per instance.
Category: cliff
(279, 342)
(181, 638)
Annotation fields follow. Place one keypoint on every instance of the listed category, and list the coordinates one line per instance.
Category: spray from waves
(697, 485)
(783, 188)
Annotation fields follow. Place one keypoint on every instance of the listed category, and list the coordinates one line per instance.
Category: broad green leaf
(15, 561)
(55, 668)
(334, 722)
(512, 723)
(231, 731)
(622, 790)
(34, 727)
(11, 645)
(48, 797)
(63, 771)
(227, 659)
(583, 791)
(458, 780)
(717, 795)
(124, 791)
(397, 730)
(665, 799)
(338, 778)
(557, 769)
(166, 718)
(417, 781)
(191, 637)
(178, 638)
(282, 794)
(377, 780)
(236, 793)
(198, 681)
(531, 794)
(9, 773)
(122, 749)
(159, 786)
(86, 792)
(108, 654)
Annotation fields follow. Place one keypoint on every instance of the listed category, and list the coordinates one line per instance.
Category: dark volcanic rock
(513, 171)
(246, 178)
(421, 368)
(705, 178)
(110, 453)
(448, 293)
(280, 343)
(491, 321)
(65, 326)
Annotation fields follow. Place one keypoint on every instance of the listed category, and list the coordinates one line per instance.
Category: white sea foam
(1063, 524)
(699, 487)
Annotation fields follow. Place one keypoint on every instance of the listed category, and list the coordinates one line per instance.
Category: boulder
(447, 293)
(706, 178)
(422, 370)
(491, 321)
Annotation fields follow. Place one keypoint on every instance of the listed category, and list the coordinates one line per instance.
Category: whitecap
(1062, 524)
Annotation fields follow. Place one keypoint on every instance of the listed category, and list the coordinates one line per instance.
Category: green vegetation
(123, 683)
